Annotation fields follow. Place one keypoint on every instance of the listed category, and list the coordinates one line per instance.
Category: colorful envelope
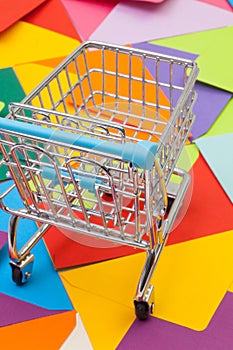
(87, 15)
(44, 288)
(41, 333)
(152, 1)
(25, 42)
(217, 336)
(224, 4)
(209, 210)
(12, 11)
(230, 288)
(10, 89)
(31, 74)
(52, 15)
(223, 124)
(210, 60)
(210, 100)
(2, 105)
(217, 151)
(66, 252)
(3, 238)
(127, 23)
(190, 281)
(78, 338)
(15, 311)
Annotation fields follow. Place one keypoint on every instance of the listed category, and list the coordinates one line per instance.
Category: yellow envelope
(30, 75)
(93, 293)
(230, 288)
(2, 105)
(24, 42)
(190, 282)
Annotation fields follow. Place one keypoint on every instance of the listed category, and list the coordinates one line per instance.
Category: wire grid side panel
(75, 190)
(131, 88)
(175, 135)
(109, 85)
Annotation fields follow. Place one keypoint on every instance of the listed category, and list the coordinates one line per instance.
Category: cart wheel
(22, 270)
(17, 275)
(142, 310)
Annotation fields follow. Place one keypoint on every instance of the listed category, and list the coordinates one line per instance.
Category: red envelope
(11, 11)
(65, 252)
(210, 210)
(52, 15)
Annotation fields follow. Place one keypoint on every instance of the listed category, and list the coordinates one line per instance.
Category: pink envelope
(219, 3)
(87, 15)
(153, 1)
(128, 24)
(3, 238)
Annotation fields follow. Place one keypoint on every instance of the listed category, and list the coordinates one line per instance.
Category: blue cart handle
(140, 154)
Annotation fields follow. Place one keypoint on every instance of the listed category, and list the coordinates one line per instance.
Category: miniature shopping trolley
(92, 150)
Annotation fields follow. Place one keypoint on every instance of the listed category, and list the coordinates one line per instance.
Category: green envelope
(215, 51)
(10, 91)
(223, 124)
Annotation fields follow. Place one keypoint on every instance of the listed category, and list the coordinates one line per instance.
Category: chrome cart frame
(93, 149)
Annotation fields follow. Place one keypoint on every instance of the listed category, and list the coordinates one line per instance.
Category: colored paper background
(217, 151)
(173, 18)
(212, 69)
(12, 11)
(81, 297)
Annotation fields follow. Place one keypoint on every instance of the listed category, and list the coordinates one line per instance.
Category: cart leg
(21, 261)
(21, 265)
(144, 299)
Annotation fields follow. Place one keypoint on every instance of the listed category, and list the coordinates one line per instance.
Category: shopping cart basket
(93, 148)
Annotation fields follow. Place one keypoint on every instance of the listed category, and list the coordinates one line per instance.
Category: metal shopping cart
(93, 148)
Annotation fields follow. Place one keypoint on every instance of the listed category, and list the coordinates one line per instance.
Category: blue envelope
(44, 288)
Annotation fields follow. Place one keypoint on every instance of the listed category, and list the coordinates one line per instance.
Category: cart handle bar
(140, 154)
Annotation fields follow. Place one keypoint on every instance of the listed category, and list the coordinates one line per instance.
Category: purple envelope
(3, 238)
(14, 311)
(158, 334)
(210, 101)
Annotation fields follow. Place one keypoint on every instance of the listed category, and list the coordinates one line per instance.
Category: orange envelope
(42, 333)
(125, 83)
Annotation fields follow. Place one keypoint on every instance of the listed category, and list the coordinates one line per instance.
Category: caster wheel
(22, 270)
(142, 310)
(17, 275)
